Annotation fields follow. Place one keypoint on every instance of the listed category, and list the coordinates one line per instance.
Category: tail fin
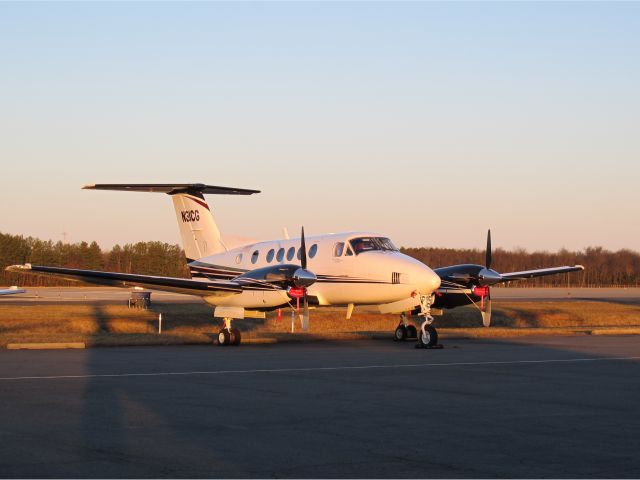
(198, 229)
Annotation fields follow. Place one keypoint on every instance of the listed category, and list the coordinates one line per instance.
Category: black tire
(224, 338)
(400, 334)
(412, 332)
(236, 337)
(431, 339)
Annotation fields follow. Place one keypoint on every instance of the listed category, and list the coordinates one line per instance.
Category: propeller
(303, 278)
(487, 277)
(486, 313)
(487, 257)
(295, 279)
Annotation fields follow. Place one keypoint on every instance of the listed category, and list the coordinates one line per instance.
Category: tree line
(603, 268)
(146, 258)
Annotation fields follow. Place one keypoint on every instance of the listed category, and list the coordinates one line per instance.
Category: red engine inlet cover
(481, 291)
(296, 292)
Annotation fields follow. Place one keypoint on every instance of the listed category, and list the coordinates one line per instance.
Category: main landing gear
(404, 330)
(229, 335)
(426, 335)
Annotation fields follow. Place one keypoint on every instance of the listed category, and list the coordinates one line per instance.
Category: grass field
(99, 324)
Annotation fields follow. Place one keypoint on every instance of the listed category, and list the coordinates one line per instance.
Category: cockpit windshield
(367, 244)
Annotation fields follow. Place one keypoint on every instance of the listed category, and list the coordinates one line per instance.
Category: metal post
(159, 323)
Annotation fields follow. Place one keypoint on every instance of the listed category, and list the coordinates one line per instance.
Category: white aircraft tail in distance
(338, 269)
(11, 290)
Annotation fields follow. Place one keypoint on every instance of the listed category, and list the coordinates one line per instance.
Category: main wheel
(412, 332)
(224, 338)
(236, 337)
(400, 334)
(431, 337)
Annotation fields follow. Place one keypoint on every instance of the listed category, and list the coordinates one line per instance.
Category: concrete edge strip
(318, 369)
(44, 346)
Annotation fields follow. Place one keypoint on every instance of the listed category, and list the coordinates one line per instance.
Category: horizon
(108, 248)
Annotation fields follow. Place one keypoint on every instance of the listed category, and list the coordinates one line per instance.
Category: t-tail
(198, 229)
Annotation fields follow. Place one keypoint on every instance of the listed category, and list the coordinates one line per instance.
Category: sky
(426, 122)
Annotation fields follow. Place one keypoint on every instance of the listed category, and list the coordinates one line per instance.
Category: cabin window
(238, 258)
(313, 250)
(338, 249)
(254, 257)
(270, 255)
(280, 255)
(299, 254)
(290, 253)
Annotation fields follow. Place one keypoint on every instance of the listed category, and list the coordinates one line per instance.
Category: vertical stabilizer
(198, 229)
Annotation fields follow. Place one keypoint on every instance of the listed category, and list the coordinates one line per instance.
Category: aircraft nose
(432, 280)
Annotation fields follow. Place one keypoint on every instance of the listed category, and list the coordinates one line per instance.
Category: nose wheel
(428, 337)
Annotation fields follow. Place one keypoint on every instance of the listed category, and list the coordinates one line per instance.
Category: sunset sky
(427, 122)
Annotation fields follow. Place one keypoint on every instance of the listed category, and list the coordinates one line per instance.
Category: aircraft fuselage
(377, 273)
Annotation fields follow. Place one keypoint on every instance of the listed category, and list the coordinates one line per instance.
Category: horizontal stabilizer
(171, 188)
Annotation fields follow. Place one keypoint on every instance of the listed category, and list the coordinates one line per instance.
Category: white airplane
(344, 269)
(11, 290)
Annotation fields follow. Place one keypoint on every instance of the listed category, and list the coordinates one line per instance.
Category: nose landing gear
(426, 335)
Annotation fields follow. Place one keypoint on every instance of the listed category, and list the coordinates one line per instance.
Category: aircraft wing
(203, 288)
(11, 291)
(541, 272)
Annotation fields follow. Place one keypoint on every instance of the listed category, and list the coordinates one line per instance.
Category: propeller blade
(310, 278)
(486, 314)
(305, 314)
(487, 260)
(303, 251)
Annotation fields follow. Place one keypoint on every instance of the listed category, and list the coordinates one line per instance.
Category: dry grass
(98, 324)
(548, 314)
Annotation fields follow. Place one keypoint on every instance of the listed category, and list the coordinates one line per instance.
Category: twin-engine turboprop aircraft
(345, 269)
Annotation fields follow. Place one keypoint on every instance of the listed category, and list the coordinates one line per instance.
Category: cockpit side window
(387, 244)
(367, 244)
(349, 251)
(363, 244)
(338, 249)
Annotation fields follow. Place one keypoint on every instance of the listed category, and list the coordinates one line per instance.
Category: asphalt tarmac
(526, 407)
